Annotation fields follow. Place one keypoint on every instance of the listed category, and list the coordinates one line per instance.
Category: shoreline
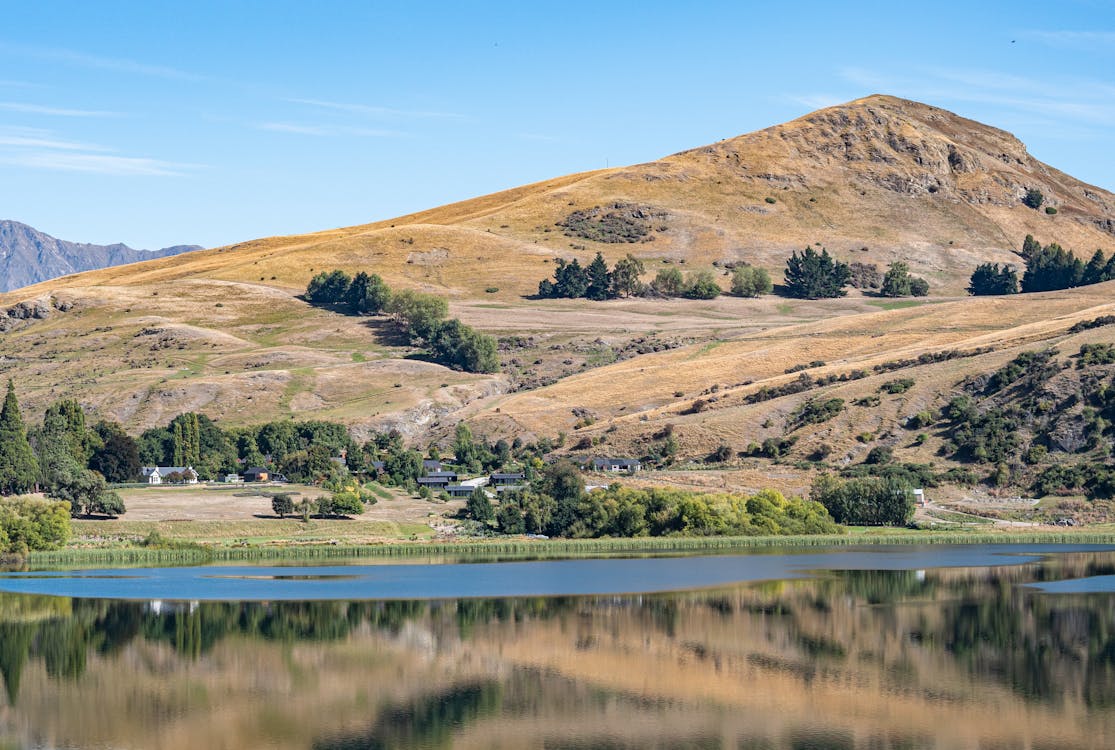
(195, 554)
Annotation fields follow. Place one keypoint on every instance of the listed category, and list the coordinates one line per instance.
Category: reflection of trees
(1047, 649)
(426, 721)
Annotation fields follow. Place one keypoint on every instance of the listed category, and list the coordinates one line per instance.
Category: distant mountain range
(28, 256)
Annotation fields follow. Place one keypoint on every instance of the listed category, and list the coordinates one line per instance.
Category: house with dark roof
(257, 474)
(515, 478)
(459, 490)
(628, 465)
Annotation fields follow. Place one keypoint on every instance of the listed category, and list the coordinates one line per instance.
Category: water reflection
(861, 659)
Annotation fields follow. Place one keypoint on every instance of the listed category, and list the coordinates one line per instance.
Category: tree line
(1049, 268)
(557, 504)
(808, 275)
(421, 317)
(56, 457)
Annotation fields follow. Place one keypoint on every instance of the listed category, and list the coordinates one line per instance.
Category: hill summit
(226, 331)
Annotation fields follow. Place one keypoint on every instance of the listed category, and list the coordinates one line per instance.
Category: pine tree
(599, 279)
(1095, 271)
(19, 471)
(814, 275)
(989, 278)
(1030, 247)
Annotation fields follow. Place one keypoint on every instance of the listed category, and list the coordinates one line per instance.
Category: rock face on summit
(28, 256)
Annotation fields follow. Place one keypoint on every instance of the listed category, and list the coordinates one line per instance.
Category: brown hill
(223, 330)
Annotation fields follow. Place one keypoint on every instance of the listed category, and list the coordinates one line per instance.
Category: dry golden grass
(233, 339)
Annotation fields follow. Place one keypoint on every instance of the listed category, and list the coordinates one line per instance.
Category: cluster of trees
(809, 275)
(598, 282)
(57, 457)
(556, 504)
(28, 524)
(870, 501)
(421, 317)
(1048, 268)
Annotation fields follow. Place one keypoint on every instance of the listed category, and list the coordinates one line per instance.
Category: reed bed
(536, 548)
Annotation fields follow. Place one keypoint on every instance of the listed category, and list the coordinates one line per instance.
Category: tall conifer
(18, 469)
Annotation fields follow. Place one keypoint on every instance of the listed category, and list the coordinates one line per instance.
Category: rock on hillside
(28, 256)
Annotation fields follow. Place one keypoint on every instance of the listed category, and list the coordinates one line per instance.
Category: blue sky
(214, 122)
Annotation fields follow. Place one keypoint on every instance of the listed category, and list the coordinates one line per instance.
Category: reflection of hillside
(859, 659)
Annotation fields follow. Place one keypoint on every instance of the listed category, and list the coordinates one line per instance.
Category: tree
(989, 278)
(750, 281)
(85, 491)
(668, 282)
(1051, 269)
(599, 279)
(625, 277)
(341, 504)
(479, 507)
(367, 294)
(1033, 198)
(701, 285)
(418, 314)
(282, 504)
(117, 457)
(1096, 270)
(813, 275)
(328, 288)
(19, 471)
(1030, 247)
(570, 280)
(899, 283)
(865, 502)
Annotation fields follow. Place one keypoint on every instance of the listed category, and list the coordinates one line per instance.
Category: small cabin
(257, 474)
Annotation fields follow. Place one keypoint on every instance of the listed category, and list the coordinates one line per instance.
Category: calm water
(983, 648)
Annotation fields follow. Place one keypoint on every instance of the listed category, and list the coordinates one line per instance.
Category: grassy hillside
(225, 332)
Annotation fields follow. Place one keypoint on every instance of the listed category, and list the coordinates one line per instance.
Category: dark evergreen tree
(19, 471)
(989, 278)
(1033, 198)
(1096, 270)
(1051, 269)
(599, 279)
(813, 275)
(479, 507)
(117, 458)
(1030, 247)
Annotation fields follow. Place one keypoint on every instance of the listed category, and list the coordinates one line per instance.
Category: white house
(160, 474)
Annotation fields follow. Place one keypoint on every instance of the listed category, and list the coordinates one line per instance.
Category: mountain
(225, 331)
(28, 256)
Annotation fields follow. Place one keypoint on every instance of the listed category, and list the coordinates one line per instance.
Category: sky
(210, 123)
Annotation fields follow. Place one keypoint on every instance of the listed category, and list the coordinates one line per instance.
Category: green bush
(28, 524)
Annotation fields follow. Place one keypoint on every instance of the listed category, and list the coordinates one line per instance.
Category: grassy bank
(534, 548)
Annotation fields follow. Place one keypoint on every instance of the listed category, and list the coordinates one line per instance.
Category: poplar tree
(18, 469)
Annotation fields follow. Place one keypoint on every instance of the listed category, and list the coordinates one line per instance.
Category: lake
(905, 648)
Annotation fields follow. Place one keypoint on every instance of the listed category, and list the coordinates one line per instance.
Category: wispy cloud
(38, 109)
(42, 149)
(43, 139)
(127, 166)
(378, 112)
(326, 130)
(85, 60)
(1076, 99)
